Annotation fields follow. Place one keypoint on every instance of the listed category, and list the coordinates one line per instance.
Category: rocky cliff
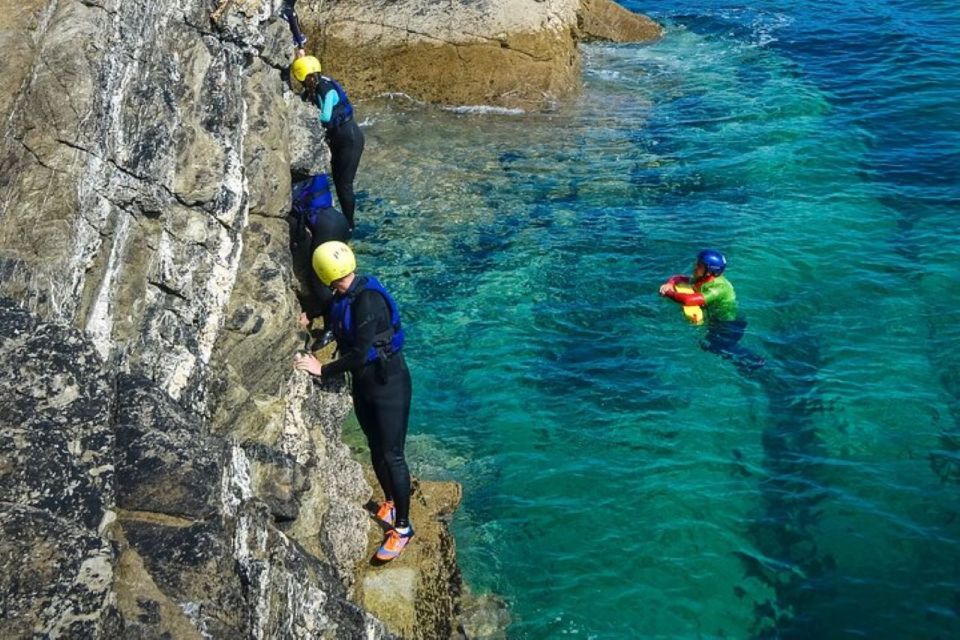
(165, 473)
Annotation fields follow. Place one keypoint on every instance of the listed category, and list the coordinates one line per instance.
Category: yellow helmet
(304, 66)
(332, 261)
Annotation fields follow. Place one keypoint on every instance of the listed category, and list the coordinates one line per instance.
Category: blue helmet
(713, 260)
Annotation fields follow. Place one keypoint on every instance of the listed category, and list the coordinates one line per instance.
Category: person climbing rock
(289, 13)
(343, 136)
(714, 293)
(366, 324)
(313, 209)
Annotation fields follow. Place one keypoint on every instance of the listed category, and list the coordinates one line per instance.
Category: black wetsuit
(346, 146)
(344, 138)
(723, 338)
(381, 396)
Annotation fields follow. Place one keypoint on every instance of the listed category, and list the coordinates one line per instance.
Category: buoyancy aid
(342, 111)
(310, 196)
(387, 342)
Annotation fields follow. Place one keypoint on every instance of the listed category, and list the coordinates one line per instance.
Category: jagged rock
(484, 617)
(174, 541)
(607, 20)
(56, 478)
(164, 464)
(277, 479)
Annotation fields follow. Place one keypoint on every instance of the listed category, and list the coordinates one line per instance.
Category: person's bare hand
(306, 362)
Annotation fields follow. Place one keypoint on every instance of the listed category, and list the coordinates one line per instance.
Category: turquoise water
(619, 481)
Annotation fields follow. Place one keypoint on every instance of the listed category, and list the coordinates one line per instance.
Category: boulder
(508, 53)
(607, 20)
(503, 53)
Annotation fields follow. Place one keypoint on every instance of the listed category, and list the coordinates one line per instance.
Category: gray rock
(179, 539)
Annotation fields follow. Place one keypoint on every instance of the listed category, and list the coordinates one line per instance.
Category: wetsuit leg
(346, 146)
(367, 419)
(723, 338)
(383, 410)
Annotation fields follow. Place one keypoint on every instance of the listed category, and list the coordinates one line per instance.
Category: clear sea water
(619, 481)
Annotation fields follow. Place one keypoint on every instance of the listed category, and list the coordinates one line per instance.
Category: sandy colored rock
(418, 594)
(511, 53)
(607, 20)
(506, 53)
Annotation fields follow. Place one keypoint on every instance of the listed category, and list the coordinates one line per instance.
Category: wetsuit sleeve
(687, 299)
(678, 279)
(712, 294)
(372, 315)
(316, 308)
(327, 104)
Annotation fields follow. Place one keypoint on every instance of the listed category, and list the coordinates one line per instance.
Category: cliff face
(124, 517)
(165, 473)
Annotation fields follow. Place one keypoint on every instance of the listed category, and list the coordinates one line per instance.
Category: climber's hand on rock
(306, 362)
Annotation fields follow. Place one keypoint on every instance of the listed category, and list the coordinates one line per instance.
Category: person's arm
(694, 299)
(371, 311)
(668, 288)
(327, 103)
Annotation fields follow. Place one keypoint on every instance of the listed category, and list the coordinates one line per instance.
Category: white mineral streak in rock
(235, 485)
(223, 277)
(178, 361)
(100, 321)
(306, 604)
(109, 517)
(251, 545)
(295, 438)
(372, 628)
(120, 66)
(237, 489)
(87, 239)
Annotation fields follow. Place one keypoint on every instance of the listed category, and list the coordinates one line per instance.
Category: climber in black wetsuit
(366, 323)
(313, 208)
(343, 135)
